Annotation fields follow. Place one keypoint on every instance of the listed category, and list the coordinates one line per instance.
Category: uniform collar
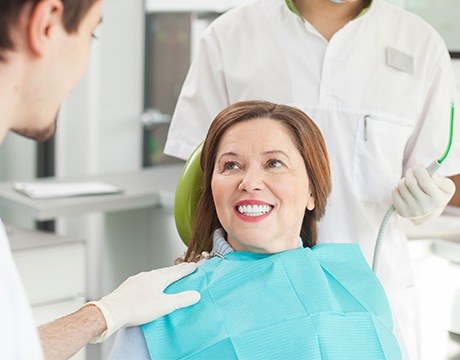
(291, 6)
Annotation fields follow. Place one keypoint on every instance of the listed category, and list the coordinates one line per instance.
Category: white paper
(65, 189)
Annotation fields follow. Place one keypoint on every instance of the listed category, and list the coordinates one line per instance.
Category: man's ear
(46, 18)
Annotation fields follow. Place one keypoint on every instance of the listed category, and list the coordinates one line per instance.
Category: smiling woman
(260, 153)
(267, 291)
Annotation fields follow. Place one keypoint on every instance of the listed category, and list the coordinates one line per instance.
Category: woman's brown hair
(308, 140)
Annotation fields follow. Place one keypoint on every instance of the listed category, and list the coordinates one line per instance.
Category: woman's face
(260, 187)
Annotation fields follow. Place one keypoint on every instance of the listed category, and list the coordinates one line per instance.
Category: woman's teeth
(254, 210)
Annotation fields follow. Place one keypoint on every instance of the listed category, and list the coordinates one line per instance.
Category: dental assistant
(376, 79)
(44, 51)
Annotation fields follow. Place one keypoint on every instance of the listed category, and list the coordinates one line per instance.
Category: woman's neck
(326, 17)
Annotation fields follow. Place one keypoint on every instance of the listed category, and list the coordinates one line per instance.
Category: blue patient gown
(318, 303)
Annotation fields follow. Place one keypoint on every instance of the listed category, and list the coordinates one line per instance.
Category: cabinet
(173, 29)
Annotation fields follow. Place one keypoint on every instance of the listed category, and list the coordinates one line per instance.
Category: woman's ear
(311, 202)
(45, 19)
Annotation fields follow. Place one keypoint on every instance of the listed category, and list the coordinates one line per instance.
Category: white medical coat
(377, 116)
(18, 333)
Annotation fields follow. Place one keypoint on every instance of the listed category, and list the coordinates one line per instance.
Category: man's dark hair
(74, 12)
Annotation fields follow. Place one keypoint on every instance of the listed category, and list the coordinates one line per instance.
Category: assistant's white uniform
(378, 116)
(18, 333)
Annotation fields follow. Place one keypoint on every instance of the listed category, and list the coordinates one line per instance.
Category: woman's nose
(252, 181)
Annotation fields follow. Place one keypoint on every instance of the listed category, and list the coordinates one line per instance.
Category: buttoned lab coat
(18, 333)
(379, 90)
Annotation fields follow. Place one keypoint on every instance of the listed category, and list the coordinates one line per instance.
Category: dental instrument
(431, 168)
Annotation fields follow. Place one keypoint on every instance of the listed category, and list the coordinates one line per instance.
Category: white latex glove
(140, 299)
(421, 197)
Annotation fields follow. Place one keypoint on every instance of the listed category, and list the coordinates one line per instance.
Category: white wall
(17, 158)
(456, 64)
(17, 162)
(99, 127)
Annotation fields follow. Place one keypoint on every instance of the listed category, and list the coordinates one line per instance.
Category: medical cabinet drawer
(52, 267)
(52, 273)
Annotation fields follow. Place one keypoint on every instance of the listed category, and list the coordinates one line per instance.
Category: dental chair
(188, 192)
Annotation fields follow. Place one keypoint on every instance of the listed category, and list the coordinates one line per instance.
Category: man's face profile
(56, 61)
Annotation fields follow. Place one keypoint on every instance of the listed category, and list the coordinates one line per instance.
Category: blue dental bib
(318, 303)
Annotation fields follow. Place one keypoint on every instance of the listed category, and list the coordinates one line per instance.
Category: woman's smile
(253, 210)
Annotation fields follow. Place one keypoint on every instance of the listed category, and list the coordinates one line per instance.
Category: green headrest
(188, 193)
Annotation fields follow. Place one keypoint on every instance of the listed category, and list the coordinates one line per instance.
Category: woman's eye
(231, 165)
(274, 163)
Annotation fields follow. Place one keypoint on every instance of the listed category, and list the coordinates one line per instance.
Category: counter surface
(141, 189)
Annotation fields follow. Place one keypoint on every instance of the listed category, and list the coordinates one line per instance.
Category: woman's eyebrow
(276, 152)
(228, 154)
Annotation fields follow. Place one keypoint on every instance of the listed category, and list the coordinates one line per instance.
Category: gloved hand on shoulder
(140, 299)
(421, 197)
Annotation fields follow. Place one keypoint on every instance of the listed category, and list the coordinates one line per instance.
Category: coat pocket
(379, 156)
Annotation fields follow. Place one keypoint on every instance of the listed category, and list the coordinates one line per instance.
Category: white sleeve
(18, 333)
(431, 134)
(202, 97)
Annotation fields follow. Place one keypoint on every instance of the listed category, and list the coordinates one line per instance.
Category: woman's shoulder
(196, 280)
